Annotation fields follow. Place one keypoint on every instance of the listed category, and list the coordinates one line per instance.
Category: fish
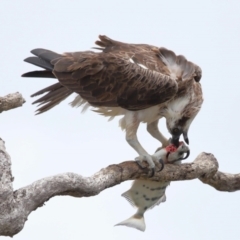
(146, 194)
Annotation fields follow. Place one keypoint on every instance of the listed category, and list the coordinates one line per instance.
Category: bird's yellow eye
(175, 131)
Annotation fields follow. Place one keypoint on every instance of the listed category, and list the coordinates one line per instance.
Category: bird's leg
(131, 126)
(153, 129)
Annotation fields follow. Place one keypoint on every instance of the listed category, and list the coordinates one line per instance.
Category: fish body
(146, 194)
(143, 195)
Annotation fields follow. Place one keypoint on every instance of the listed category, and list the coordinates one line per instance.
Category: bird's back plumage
(131, 76)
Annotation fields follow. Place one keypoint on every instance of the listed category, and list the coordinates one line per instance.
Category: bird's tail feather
(43, 58)
(39, 74)
(55, 93)
(136, 221)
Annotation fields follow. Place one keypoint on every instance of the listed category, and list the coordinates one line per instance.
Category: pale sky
(64, 140)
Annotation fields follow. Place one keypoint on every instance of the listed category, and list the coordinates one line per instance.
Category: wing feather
(52, 99)
(132, 76)
(112, 78)
(158, 59)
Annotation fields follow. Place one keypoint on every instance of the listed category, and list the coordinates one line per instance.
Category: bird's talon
(151, 172)
(162, 165)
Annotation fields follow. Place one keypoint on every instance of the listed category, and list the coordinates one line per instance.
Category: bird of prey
(146, 194)
(141, 82)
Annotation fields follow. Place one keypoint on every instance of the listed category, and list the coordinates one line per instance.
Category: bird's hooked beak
(185, 137)
(176, 135)
(175, 140)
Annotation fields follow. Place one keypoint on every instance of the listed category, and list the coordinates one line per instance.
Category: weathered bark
(223, 181)
(15, 206)
(10, 101)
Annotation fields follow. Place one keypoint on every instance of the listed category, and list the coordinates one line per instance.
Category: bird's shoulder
(140, 54)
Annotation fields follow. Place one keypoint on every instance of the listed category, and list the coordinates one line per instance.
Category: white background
(64, 140)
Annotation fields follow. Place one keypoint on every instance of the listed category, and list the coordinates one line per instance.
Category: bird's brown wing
(113, 79)
(144, 54)
(133, 76)
(154, 58)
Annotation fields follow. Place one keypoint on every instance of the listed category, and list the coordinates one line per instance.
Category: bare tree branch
(10, 101)
(15, 206)
(223, 181)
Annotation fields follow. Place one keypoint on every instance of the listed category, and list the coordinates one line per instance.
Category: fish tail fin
(136, 221)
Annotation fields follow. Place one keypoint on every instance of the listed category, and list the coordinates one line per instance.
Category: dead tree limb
(15, 206)
(10, 101)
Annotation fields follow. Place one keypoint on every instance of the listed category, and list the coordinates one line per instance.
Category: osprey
(139, 81)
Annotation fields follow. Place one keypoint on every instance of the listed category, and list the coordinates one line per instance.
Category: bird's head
(178, 127)
(179, 116)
